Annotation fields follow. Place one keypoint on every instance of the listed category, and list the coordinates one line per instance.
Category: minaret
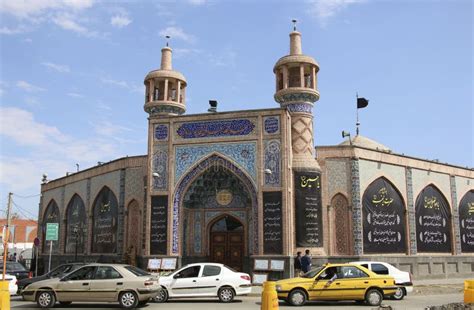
(296, 89)
(165, 88)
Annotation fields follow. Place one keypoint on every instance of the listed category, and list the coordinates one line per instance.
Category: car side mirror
(176, 276)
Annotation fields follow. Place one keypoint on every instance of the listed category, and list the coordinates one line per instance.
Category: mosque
(249, 189)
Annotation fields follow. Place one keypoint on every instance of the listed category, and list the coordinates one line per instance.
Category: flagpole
(357, 108)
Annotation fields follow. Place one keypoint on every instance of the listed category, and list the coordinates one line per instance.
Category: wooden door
(227, 243)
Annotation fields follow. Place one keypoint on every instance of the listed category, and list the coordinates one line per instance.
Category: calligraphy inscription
(158, 224)
(308, 209)
(272, 223)
(466, 222)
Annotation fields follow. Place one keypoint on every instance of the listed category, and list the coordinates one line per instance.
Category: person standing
(306, 262)
(297, 264)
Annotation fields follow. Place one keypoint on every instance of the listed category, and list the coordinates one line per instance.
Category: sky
(71, 75)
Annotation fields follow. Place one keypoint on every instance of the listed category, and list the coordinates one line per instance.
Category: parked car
(12, 287)
(402, 278)
(57, 272)
(127, 285)
(16, 269)
(204, 280)
(336, 282)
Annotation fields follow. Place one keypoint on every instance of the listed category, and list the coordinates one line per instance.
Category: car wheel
(373, 297)
(226, 294)
(65, 303)
(46, 299)
(162, 296)
(128, 300)
(297, 297)
(399, 294)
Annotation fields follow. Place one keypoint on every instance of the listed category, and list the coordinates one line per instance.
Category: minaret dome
(165, 88)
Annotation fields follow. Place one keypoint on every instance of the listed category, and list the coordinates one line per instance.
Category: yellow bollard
(269, 296)
(469, 291)
(4, 295)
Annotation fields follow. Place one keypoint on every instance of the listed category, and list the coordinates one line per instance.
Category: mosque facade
(249, 189)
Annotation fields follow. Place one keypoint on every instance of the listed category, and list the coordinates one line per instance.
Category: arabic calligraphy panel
(104, 229)
(158, 224)
(433, 221)
(466, 222)
(384, 220)
(76, 225)
(215, 129)
(272, 223)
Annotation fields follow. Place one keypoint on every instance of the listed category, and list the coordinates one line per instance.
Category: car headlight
(278, 287)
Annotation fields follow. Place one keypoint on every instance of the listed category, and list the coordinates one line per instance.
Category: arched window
(104, 229)
(433, 221)
(466, 222)
(383, 218)
(75, 225)
(51, 216)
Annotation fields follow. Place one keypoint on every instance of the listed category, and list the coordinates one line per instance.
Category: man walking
(297, 264)
(306, 262)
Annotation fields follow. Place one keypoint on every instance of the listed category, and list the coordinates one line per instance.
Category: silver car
(127, 285)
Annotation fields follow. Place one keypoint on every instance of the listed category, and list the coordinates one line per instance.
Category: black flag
(362, 103)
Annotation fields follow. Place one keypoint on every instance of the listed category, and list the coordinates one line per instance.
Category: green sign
(52, 230)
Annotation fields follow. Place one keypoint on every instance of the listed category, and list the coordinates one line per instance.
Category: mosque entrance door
(227, 242)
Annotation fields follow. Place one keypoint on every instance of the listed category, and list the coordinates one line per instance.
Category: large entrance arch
(213, 189)
(227, 241)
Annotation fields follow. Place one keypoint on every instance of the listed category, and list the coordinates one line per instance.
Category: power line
(29, 196)
(22, 210)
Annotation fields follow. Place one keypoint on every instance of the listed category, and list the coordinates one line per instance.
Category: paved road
(410, 303)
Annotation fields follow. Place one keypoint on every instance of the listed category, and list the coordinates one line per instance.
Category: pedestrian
(306, 262)
(297, 264)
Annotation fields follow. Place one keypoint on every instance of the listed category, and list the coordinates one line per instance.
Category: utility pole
(6, 236)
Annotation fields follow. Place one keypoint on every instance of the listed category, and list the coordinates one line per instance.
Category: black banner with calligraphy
(51, 216)
(384, 223)
(308, 209)
(466, 222)
(272, 223)
(76, 225)
(159, 225)
(433, 221)
(104, 230)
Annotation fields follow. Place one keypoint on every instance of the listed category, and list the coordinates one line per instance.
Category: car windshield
(137, 271)
(12, 266)
(312, 273)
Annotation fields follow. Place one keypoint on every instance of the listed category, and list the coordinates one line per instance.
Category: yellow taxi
(337, 282)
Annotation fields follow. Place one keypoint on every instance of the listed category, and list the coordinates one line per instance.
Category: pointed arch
(215, 159)
(342, 219)
(133, 225)
(433, 221)
(383, 218)
(104, 222)
(51, 215)
(76, 225)
(466, 222)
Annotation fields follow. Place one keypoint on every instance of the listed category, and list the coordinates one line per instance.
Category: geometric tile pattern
(272, 162)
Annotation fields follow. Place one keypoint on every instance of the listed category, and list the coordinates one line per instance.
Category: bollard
(469, 291)
(4, 295)
(269, 296)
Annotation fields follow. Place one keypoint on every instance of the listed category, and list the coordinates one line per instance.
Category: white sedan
(204, 280)
(402, 278)
(12, 286)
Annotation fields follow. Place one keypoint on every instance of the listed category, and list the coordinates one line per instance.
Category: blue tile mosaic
(244, 154)
(197, 233)
(219, 128)
(161, 132)
(300, 107)
(191, 176)
(160, 166)
(273, 162)
(271, 124)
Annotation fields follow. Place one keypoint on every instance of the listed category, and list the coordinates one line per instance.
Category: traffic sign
(52, 230)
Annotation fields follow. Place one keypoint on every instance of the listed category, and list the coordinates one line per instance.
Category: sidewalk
(420, 287)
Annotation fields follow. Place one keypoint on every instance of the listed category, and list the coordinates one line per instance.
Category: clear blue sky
(71, 84)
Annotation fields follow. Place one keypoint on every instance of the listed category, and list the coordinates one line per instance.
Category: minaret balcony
(164, 107)
(296, 95)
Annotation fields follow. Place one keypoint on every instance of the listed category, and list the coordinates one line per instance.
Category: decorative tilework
(271, 124)
(161, 132)
(197, 232)
(300, 107)
(219, 128)
(411, 211)
(210, 215)
(164, 109)
(244, 154)
(296, 97)
(189, 178)
(454, 203)
(272, 162)
(356, 208)
(160, 166)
